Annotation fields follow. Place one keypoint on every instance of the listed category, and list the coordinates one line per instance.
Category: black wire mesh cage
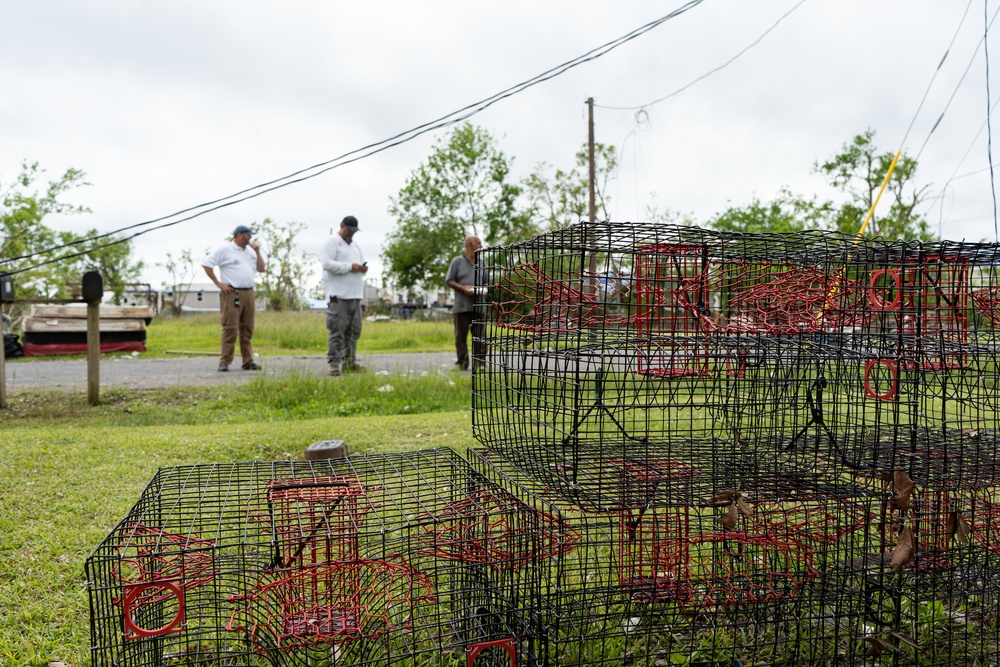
(402, 559)
(604, 338)
(791, 570)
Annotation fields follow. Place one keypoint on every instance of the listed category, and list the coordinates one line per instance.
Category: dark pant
(343, 324)
(237, 321)
(464, 322)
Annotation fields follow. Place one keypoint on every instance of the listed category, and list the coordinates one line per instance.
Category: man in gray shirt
(461, 277)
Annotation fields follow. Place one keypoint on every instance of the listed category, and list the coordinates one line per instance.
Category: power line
(352, 156)
(958, 85)
(712, 71)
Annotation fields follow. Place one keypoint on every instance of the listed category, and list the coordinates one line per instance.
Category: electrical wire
(954, 92)
(931, 83)
(712, 71)
(347, 158)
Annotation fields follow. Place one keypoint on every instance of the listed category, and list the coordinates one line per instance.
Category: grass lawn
(69, 472)
(296, 333)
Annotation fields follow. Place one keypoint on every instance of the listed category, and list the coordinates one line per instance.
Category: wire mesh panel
(404, 559)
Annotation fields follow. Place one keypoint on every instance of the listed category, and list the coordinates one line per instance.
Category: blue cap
(242, 229)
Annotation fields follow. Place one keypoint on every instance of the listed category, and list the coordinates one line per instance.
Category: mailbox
(93, 286)
(6, 288)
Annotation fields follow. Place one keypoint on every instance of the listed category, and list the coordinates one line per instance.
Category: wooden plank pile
(62, 329)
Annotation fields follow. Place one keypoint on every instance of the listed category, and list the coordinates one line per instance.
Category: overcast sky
(166, 105)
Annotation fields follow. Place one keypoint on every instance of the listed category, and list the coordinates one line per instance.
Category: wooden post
(94, 352)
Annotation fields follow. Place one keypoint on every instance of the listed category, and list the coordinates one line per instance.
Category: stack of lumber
(62, 329)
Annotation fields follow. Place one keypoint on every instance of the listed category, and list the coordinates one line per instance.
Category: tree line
(464, 187)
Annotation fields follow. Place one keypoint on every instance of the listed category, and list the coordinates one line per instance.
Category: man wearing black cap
(344, 269)
(237, 261)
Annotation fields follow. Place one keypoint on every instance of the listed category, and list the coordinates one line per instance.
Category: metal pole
(93, 352)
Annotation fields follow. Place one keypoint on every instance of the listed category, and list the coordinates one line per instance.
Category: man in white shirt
(237, 262)
(344, 269)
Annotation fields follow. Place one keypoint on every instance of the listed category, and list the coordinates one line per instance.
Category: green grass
(70, 472)
(295, 333)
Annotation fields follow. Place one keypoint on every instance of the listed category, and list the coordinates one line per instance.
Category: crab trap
(401, 559)
(603, 339)
(792, 570)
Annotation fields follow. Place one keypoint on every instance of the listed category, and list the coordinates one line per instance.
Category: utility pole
(592, 266)
(590, 160)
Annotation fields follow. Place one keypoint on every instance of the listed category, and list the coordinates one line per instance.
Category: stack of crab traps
(695, 448)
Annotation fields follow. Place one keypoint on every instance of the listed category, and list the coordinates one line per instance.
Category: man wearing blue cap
(237, 262)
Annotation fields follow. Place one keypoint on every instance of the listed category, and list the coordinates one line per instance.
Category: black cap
(242, 229)
(350, 222)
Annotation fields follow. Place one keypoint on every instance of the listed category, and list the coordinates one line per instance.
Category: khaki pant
(237, 321)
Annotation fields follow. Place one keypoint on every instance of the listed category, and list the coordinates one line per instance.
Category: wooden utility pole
(590, 160)
(592, 205)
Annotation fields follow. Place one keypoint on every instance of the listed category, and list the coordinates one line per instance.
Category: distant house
(201, 298)
(372, 295)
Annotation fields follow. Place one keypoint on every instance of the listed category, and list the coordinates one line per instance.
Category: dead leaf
(876, 646)
(744, 507)
(729, 520)
(724, 496)
(970, 433)
(958, 527)
(64, 559)
(902, 489)
(905, 549)
(56, 663)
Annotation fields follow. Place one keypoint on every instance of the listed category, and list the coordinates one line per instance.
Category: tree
(858, 171)
(182, 272)
(22, 208)
(787, 213)
(114, 261)
(564, 200)
(462, 189)
(50, 260)
(286, 268)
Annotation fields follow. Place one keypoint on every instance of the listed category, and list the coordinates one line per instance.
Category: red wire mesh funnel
(328, 603)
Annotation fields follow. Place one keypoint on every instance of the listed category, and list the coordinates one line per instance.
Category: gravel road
(137, 373)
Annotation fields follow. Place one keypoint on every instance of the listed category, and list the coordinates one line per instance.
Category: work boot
(223, 368)
(335, 370)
